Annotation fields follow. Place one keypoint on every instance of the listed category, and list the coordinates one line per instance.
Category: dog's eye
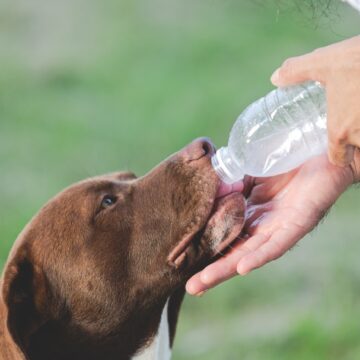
(107, 201)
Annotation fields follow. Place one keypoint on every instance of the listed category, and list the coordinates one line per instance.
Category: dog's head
(105, 244)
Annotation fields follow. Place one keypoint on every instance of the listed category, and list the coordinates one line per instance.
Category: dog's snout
(198, 148)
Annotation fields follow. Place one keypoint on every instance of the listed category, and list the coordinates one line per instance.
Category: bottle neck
(228, 170)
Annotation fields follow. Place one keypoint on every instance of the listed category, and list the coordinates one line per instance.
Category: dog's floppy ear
(23, 292)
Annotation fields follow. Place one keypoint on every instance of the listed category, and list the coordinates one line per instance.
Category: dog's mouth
(222, 225)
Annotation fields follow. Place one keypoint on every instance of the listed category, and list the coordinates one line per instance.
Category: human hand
(337, 67)
(280, 211)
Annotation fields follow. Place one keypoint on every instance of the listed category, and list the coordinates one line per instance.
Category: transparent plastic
(354, 3)
(275, 134)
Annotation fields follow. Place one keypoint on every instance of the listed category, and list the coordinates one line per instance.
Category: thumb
(298, 69)
(340, 149)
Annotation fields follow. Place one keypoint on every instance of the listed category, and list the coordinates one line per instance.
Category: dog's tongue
(226, 189)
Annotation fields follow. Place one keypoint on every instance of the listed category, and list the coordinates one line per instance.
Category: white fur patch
(159, 349)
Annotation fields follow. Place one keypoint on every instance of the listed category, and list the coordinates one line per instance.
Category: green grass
(88, 87)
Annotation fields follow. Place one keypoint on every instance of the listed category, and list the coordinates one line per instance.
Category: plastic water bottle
(275, 134)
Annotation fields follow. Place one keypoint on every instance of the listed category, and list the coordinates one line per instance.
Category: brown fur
(86, 281)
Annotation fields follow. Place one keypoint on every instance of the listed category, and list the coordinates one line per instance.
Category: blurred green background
(90, 86)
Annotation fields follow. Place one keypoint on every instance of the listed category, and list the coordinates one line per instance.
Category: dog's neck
(159, 348)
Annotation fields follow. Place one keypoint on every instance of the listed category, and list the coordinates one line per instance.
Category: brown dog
(99, 272)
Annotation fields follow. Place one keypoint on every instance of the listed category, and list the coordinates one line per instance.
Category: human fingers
(299, 69)
(279, 243)
(340, 154)
(339, 126)
(225, 267)
(195, 286)
(222, 269)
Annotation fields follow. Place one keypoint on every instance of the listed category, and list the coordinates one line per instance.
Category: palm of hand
(280, 211)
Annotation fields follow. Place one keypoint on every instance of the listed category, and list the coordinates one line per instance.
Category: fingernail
(275, 76)
(201, 293)
(243, 272)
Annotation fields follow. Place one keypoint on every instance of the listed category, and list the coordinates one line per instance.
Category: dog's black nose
(197, 149)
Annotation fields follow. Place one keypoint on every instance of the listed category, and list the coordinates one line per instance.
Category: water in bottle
(275, 134)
